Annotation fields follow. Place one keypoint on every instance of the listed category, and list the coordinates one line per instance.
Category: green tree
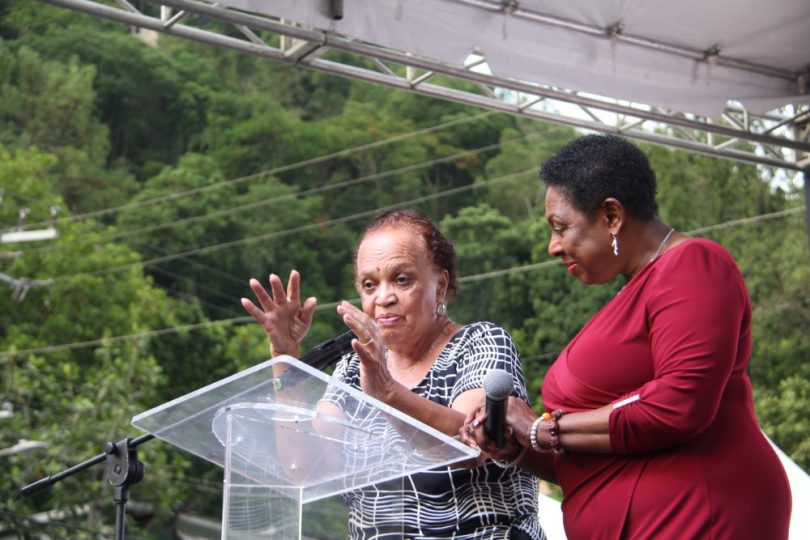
(73, 398)
(152, 104)
(49, 105)
(783, 415)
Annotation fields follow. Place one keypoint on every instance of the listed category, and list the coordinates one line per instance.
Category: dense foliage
(180, 171)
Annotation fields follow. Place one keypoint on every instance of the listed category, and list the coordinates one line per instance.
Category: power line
(745, 221)
(275, 170)
(300, 194)
(213, 291)
(243, 319)
(193, 298)
(303, 193)
(148, 334)
(193, 262)
(302, 228)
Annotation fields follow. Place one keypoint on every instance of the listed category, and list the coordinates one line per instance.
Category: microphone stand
(123, 470)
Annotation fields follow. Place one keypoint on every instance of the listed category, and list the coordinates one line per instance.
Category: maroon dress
(688, 458)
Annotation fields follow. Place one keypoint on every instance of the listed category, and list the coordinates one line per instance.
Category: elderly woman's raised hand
(375, 379)
(284, 319)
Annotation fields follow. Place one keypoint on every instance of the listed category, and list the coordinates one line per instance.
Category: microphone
(498, 386)
(327, 354)
(322, 356)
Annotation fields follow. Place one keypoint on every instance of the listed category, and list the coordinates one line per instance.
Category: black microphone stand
(123, 470)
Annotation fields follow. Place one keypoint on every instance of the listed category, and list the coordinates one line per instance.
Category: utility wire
(151, 333)
(203, 286)
(352, 217)
(206, 267)
(193, 298)
(275, 170)
(239, 320)
(745, 221)
(301, 194)
(297, 195)
(311, 226)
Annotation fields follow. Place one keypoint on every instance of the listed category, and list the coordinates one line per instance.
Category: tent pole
(806, 172)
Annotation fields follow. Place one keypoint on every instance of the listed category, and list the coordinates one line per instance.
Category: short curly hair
(592, 168)
(443, 254)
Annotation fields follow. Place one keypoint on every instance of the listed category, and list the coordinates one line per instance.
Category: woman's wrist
(512, 461)
(544, 433)
(284, 351)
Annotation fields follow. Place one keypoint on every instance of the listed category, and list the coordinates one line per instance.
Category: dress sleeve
(488, 347)
(697, 305)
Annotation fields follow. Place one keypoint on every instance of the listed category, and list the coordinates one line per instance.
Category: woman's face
(398, 285)
(583, 245)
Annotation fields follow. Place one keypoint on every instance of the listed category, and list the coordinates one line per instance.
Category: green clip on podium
(294, 439)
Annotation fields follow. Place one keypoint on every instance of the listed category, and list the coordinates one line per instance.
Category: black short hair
(592, 168)
(442, 252)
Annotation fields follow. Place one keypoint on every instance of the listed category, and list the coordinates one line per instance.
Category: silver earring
(441, 309)
(615, 244)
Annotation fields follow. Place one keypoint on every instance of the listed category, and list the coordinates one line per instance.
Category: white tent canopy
(726, 78)
(692, 56)
(720, 77)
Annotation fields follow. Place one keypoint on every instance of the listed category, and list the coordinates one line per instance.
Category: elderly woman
(652, 432)
(411, 355)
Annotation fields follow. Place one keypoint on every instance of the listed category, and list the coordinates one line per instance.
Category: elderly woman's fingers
(261, 295)
(472, 431)
(466, 437)
(254, 311)
(360, 323)
(294, 287)
(279, 294)
(308, 309)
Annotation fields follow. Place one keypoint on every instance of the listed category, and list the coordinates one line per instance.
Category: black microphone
(322, 356)
(327, 354)
(498, 386)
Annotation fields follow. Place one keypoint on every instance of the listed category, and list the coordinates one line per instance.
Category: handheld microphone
(498, 385)
(322, 356)
(327, 354)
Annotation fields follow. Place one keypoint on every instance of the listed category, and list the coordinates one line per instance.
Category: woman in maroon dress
(651, 431)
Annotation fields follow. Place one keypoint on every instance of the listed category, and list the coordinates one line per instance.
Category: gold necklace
(662, 244)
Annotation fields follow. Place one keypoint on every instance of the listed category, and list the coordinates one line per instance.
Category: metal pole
(807, 202)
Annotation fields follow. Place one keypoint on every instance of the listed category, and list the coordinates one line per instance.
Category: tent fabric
(773, 34)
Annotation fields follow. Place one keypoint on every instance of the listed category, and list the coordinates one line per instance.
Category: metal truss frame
(779, 139)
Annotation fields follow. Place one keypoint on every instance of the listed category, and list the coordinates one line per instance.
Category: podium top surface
(301, 429)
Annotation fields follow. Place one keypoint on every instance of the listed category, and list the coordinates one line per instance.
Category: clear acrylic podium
(294, 439)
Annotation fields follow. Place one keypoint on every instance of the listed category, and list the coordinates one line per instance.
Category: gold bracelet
(506, 463)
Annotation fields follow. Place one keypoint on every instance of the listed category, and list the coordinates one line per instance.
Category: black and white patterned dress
(486, 502)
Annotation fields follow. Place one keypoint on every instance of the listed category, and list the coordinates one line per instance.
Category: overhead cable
(283, 168)
(244, 319)
(302, 228)
(299, 194)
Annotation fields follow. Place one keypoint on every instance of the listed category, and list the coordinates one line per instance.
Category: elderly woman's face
(399, 287)
(583, 245)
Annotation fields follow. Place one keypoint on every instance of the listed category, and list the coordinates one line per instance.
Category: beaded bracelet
(554, 430)
(533, 433)
(551, 423)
